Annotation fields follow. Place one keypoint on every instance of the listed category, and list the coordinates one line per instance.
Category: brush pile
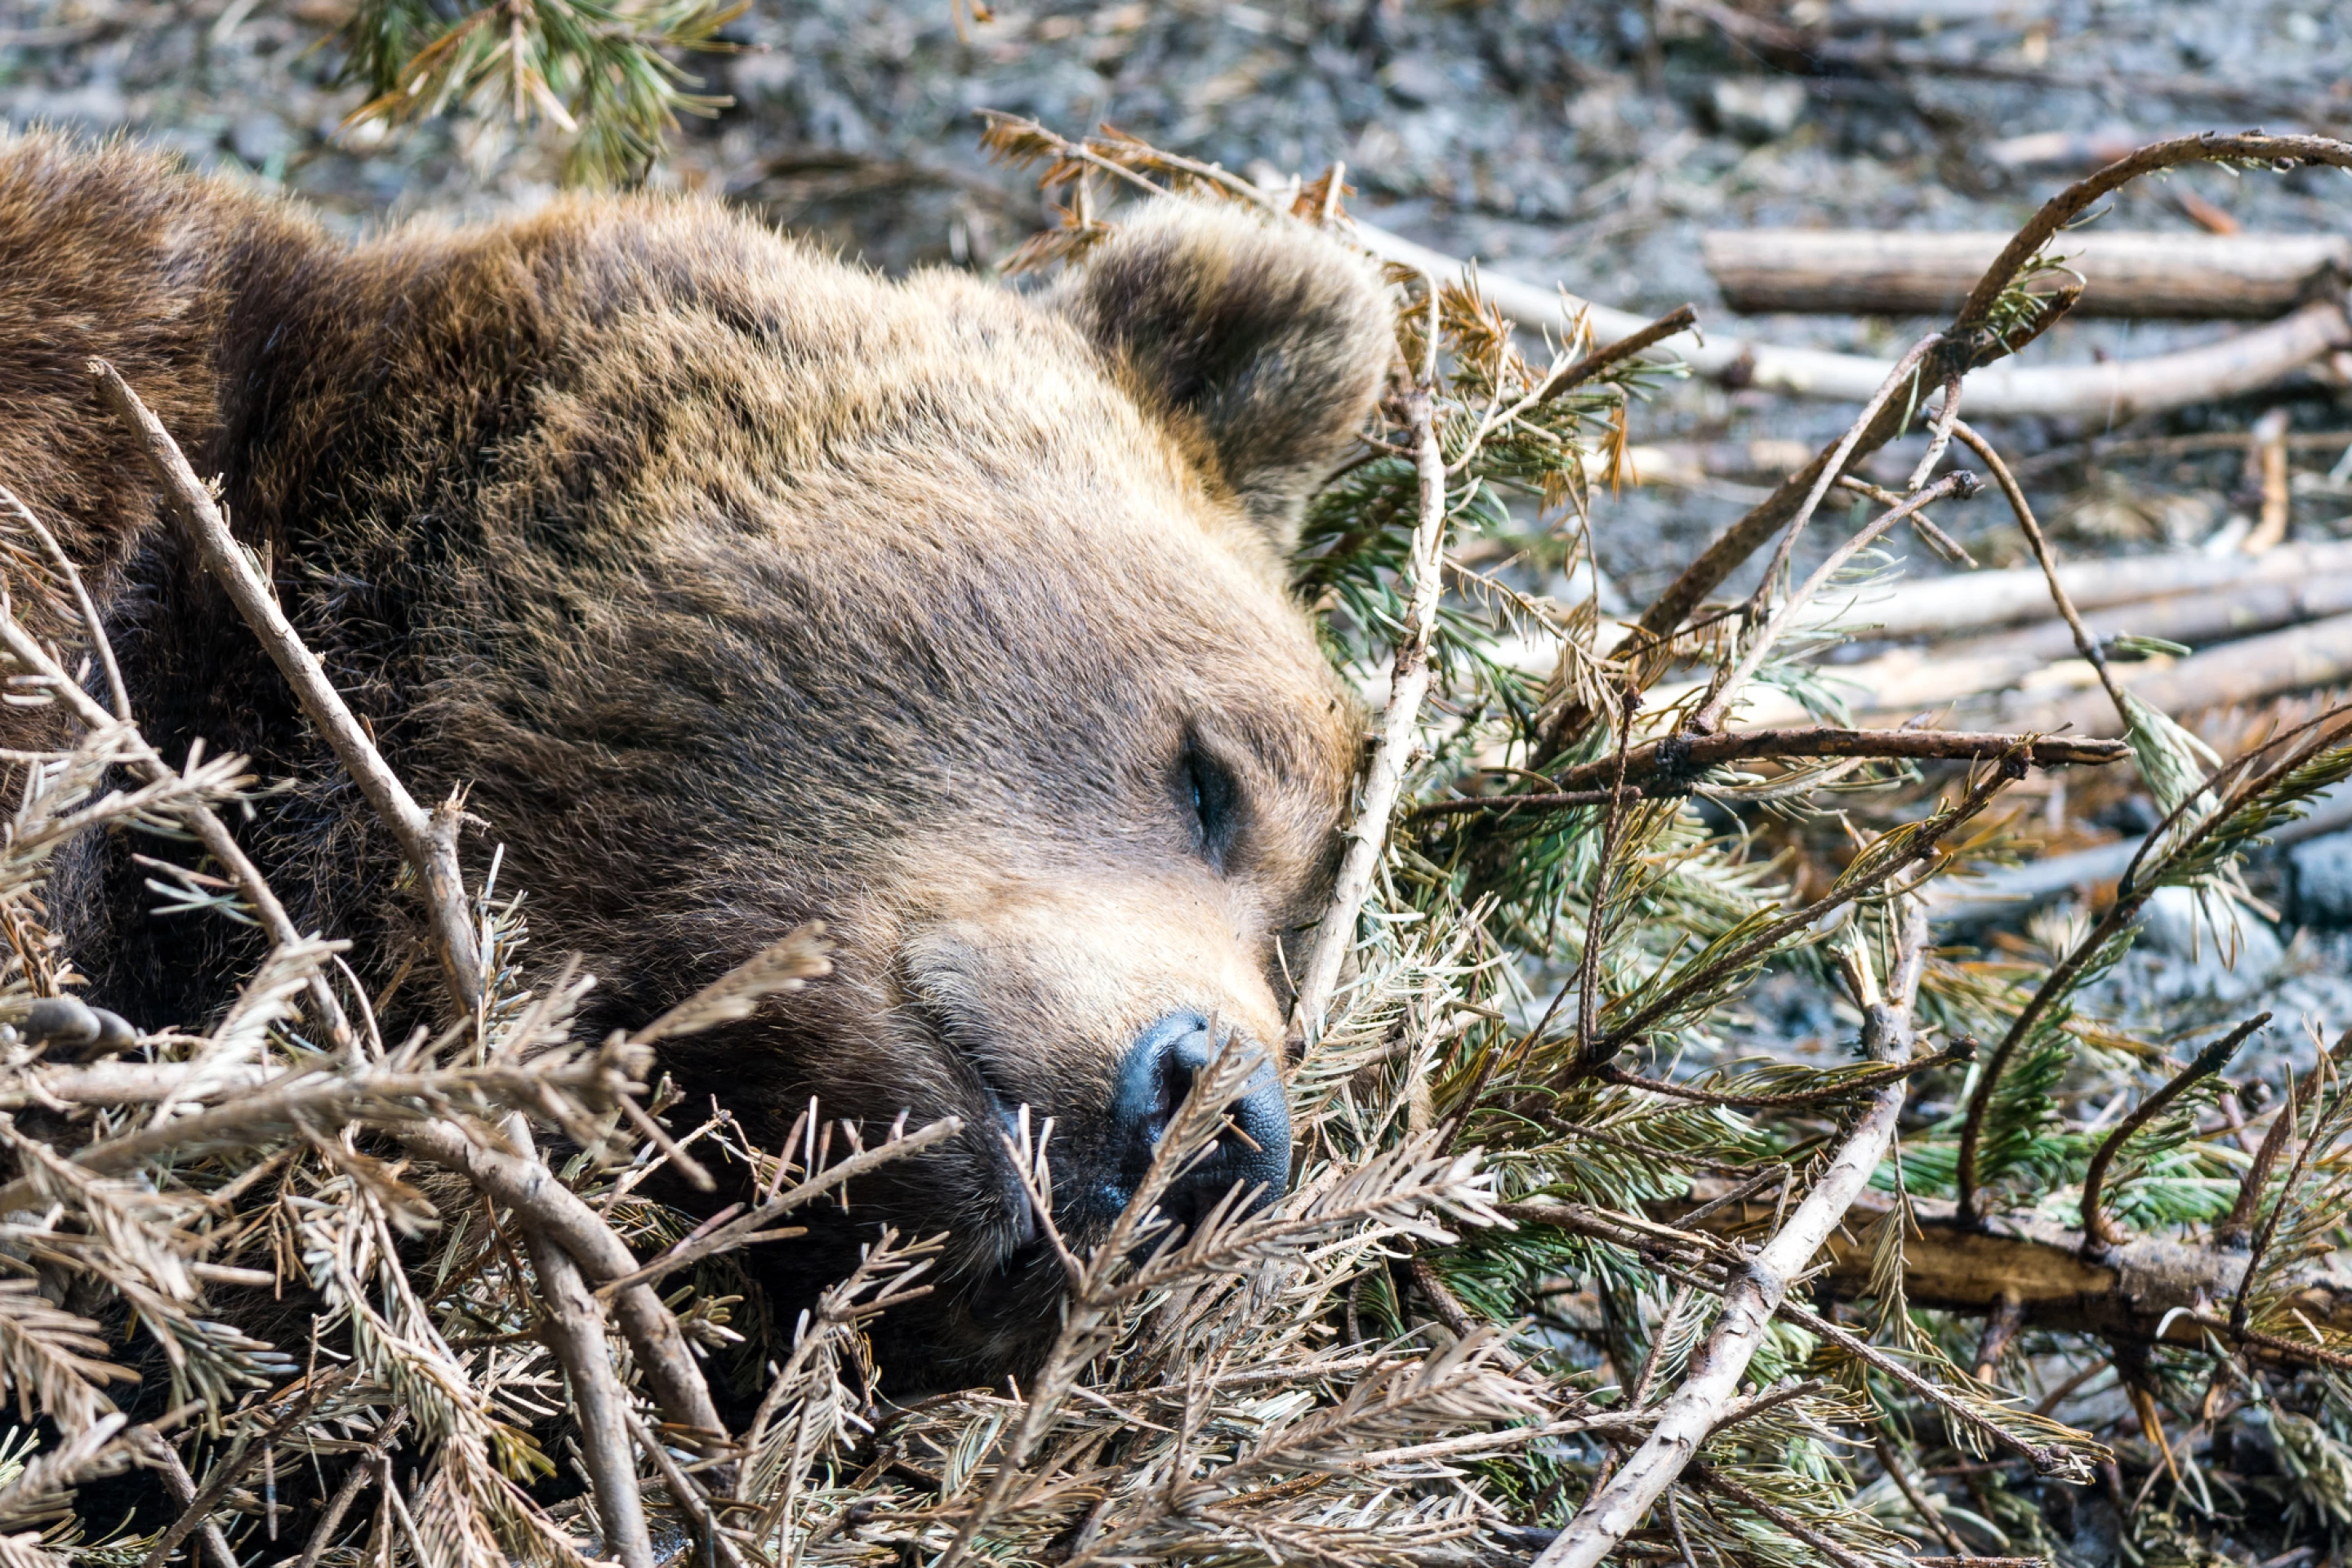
(1563, 1274)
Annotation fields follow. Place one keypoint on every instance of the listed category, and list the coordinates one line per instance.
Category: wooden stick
(428, 840)
(1335, 937)
(1687, 1416)
(2267, 458)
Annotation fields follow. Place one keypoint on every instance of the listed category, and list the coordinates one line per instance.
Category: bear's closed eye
(1209, 790)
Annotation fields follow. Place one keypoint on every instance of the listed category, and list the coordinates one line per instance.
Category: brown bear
(743, 587)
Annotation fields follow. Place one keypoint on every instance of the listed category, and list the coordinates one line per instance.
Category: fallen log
(2252, 670)
(2065, 149)
(2147, 1290)
(2312, 648)
(1862, 272)
(2238, 596)
(2113, 391)
(1932, 606)
(2236, 611)
(2108, 449)
(2012, 890)
(1904, 681)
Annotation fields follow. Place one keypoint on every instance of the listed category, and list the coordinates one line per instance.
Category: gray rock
(1758, 109)
(2222, 948)
(1417, 81)
(258, 137)
(2322, 881)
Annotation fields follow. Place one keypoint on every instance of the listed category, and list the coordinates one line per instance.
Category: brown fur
(742, 587)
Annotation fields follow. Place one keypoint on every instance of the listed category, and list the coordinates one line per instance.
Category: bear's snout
(1252, 1152)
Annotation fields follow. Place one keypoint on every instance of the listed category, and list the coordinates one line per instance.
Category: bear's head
(743, 588)
(1028, 716)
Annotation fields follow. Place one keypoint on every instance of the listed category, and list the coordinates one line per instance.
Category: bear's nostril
(1153, 1081)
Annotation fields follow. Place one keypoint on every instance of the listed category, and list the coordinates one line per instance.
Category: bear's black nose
(1252, 1151)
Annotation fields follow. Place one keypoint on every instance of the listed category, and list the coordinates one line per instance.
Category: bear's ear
(1263, 340)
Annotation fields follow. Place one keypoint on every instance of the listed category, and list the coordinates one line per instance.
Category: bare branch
(1383, 776)
(573, 1324)
(428, 840)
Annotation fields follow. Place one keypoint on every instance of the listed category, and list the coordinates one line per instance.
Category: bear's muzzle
(1252, 1152)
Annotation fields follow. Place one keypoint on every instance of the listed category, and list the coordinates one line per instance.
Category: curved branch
(2205, 147)
(2097, 1233)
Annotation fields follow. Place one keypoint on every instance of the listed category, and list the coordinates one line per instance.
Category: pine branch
(1695, 1408)
(53, 1361)
(2097, 1232)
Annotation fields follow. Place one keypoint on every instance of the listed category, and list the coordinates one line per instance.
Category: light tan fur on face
(742, 587)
